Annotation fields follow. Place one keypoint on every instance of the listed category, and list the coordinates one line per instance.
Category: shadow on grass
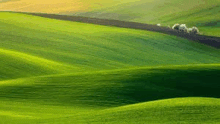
(118, 88)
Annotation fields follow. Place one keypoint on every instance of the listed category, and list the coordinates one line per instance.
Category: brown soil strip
(208, 40)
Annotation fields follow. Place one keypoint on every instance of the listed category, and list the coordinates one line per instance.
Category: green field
(62, 72)
(205, 14)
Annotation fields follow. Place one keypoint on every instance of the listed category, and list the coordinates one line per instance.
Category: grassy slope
(119, 87)
(57, 6)
(52, 46)
(107, 96)
(201, 13)
(39, 83)
(170, 111)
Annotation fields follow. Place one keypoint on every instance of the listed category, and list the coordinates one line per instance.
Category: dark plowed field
(208, 40)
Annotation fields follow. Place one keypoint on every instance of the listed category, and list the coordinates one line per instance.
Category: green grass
(50, 46)
(200, 13)
(171, 111)
(192, 13)
(118, 96)
(119, 87)
(55, 72)
(195, 110)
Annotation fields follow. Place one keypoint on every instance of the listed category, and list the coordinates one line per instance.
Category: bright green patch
(191, 13)
(115, 96)
(53, 46)
(116, 88)
(61, 72)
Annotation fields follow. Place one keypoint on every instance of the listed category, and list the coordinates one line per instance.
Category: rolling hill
(201, 13)
(54, 45)
(117, 96)
(117, 87)
(54, 71)
(195, 110)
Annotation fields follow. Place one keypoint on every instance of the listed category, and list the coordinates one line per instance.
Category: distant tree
(159, 25)
(176, 27)
(183, 28)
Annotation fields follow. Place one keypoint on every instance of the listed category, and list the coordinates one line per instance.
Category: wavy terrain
(63, 72)
(119, 96)
(208, 40)
(201, 13)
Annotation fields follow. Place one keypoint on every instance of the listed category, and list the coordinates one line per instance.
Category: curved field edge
(201, 38)
(87, 47)
(76, 96)
(201, 13)
(176, 110)
(116, 88)
(196, 110)
(25, 65)
(184, 110)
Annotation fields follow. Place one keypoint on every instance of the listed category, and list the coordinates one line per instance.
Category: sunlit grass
(61, 72)
(53, 46)
(117, 96)
(191, 13)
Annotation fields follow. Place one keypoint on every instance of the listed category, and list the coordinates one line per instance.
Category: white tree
(183, 28)
(176, 27)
